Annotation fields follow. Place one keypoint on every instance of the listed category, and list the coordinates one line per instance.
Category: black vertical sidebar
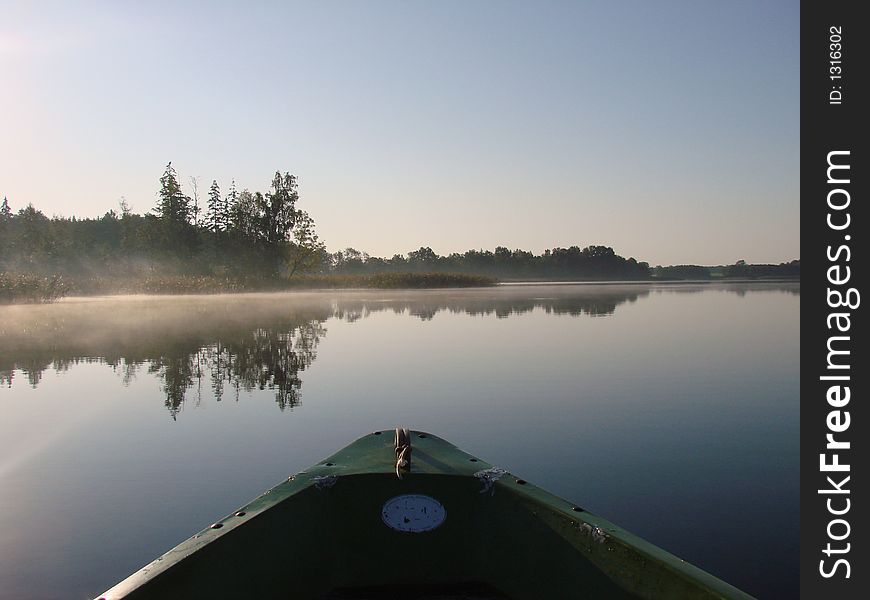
(834, 223)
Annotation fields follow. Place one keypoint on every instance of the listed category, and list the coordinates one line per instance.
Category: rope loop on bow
(403, 450)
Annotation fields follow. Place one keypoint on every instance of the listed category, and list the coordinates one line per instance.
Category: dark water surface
(128, 424)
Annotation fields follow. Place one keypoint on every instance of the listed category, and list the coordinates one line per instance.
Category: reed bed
(27, 288)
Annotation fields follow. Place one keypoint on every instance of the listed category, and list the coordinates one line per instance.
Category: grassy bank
(28, 288)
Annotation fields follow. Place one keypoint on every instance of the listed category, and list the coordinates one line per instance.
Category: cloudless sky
(668, 130)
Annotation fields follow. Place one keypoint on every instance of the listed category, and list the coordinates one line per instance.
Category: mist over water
(129, 423)
(248, 340)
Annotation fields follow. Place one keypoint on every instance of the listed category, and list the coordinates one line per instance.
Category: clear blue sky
(668, 130)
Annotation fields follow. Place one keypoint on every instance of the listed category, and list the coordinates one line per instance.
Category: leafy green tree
(305, 252)
(35, 241)
(398, 262)
(277, 209)
(423, 259)
(243, 214)
(349, 260)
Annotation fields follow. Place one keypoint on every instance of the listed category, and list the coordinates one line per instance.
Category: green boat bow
(348, 527)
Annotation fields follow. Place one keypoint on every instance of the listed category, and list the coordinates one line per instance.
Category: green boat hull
(328, 531)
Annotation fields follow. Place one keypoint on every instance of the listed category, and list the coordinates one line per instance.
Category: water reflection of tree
(259, 360)
(229, 345)
(740, 289)
(600, 304)
(210, 347)
(213, 346)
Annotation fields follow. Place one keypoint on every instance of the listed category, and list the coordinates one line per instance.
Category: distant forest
(243, 235)
(739, 270)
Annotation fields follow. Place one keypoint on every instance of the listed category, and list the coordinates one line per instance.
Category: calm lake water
(128, 424)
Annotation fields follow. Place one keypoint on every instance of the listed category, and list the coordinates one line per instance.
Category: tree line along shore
(198, 241)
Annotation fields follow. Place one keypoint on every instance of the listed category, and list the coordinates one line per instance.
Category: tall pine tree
(5, 211)
(172, 204)
(5, 224)
(226, 206)
(215, 218)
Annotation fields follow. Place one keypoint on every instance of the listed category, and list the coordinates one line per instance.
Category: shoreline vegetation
(243, 241)
(27, 288)
(33, 289)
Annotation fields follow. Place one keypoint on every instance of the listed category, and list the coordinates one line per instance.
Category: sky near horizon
(668, 130)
